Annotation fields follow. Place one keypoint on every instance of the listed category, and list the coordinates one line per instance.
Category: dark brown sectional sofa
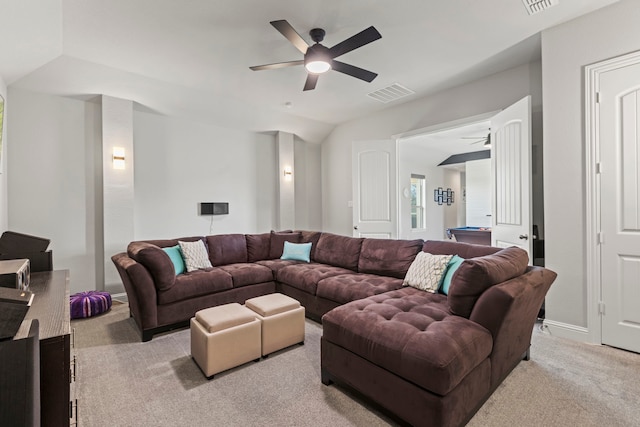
(428, 358)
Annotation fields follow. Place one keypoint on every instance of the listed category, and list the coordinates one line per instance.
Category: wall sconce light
(441, 196)
(118, 158)
(288, 173)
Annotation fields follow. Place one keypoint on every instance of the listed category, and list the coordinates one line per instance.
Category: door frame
(593, 194)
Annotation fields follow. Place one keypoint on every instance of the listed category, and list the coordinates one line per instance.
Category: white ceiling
(458, 139)
(192, 57)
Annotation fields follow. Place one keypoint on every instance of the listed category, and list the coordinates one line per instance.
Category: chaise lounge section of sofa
(433, 359)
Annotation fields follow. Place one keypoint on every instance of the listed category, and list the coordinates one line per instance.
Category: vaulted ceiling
(192, 57)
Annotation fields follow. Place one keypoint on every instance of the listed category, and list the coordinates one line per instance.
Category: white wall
(482, 96)
(414, 159)
(456, 214)
(478, 205)
(118, 187)
(180, 163)
(55, 186)
(566, 49)
(286, 184)
(266, 179)
(308, 185)
(51, 178)
(4, 216)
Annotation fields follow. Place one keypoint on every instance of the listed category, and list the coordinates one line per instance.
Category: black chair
(17, 245)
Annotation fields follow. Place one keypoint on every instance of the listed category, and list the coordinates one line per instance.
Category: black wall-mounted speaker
(207, 208)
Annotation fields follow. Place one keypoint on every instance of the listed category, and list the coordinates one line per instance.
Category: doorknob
(523, 237)
(355, 227)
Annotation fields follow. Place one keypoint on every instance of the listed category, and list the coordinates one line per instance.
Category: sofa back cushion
(165, 243)
(310, 237)
(258, 246)
(388, 257)
(227, 249)
(276, 244)
(154, 259)
(476, 275)
(338, 251)
(463, 250)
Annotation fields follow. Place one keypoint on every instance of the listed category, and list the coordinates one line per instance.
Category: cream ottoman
(224, 337)
(282, 321)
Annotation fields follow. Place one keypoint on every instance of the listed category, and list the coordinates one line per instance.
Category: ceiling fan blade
(362, 38)
(277, 65)
(312, 79)
(292, 35)
(353, 71)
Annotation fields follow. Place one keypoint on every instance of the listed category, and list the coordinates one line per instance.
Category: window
(418, 207)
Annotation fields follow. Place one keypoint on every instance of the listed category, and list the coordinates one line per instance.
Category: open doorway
(455, 162)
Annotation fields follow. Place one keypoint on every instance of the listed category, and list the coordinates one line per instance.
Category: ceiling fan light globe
(317, 67)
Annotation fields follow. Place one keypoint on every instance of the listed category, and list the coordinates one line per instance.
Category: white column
(118, 188)
(286, 180)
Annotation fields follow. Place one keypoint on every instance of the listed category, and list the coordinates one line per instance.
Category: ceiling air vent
(535, 6)
(390, 93)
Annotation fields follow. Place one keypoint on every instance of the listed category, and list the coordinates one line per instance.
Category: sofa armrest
(509, 311)
(141, 290)
(156, 262)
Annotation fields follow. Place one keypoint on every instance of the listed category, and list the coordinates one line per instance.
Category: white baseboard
(566, 330)
(120, 296)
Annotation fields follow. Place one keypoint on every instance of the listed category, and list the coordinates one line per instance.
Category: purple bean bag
(90, 303)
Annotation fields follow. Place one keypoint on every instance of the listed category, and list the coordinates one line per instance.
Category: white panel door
(374, 189)
(511, 169)
(619, 138)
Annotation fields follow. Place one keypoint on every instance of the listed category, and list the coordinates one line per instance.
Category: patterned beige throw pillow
(195, 255)
(426, 271)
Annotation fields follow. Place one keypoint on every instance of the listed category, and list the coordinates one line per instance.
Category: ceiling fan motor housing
(317, 34)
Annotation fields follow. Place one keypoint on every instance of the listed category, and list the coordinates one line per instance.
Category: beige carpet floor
(124, 382)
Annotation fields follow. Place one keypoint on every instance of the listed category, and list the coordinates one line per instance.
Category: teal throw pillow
(448, 275)
(296, 251)
(175, 254)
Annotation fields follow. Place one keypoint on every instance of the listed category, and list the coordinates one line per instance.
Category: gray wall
(566, 49)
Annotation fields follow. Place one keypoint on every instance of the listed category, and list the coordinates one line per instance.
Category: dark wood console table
(51, 308)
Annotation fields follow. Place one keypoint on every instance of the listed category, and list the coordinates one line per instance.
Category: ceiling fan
(319, 59)
(486, 140)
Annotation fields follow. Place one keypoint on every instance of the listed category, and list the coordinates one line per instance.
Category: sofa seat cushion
(306, 276)
(277, 264)
(349, 287)
(195, 284)
(412, 334)
(244, 274)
